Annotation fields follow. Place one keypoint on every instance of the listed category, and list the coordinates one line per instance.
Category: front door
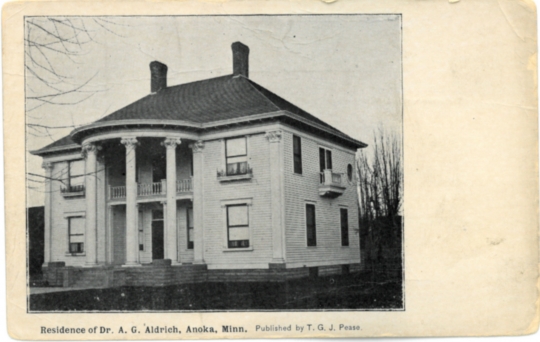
(157, 235)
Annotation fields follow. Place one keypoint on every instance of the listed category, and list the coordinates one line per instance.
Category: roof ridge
(198, 81)
(252, 85)
(255, 85)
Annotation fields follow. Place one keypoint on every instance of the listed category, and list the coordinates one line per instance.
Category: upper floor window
(236, 156)
(237, 226)
(75, 175)
(344, 214)
(297, 154)
(76, 234)
(349, 172)
(325, 159)
(311, 229)
(190, 228)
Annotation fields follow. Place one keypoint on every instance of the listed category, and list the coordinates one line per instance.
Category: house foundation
(165, 274)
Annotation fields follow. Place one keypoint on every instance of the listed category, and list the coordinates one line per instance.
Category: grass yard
(344, 292)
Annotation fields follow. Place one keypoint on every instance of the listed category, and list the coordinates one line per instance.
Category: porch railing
(150, 189)
(183, 185)
(116, 192)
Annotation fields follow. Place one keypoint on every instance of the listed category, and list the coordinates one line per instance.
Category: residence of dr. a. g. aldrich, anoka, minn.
(215, 180)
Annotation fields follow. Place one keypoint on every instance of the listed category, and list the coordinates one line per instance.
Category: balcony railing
(116, 192)
(183, 185)
(331, 185)
(235, 171)
(151, 189)
(72, 190)
(330, 178)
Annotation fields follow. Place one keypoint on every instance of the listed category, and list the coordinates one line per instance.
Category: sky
(344, 69)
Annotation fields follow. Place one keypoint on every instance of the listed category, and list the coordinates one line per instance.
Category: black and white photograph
(253, 169)
(214, 163)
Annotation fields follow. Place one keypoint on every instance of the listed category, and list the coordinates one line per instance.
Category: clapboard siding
(302, 189)
(67, 206)
(257, 189)
(59, 224)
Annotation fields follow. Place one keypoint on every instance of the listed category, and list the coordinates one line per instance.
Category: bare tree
(380, 188)
(54, 54)
(53, 47)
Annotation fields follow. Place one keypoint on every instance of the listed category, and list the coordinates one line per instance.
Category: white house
(215, 180)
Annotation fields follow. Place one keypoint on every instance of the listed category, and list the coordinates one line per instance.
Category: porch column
(171, 246)
(132, 231)
(276, 174)
(198, 226)
(89, 152)
(47, 224)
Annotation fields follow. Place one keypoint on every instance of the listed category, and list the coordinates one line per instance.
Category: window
(237, 226)
(76, 234)
(349, 172)
(236, 156)
(297, 154)
(310, 225)
(344, 226)
(75, 175)
(190, 228)
(325, 159)
(141, 231)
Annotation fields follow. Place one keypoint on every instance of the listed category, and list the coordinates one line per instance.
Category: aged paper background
(471, 190)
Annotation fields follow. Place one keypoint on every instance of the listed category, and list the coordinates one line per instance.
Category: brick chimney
(158, 73)
(240, 59)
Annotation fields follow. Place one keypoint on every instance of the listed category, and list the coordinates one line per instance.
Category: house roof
(62, 144)
(201, 104)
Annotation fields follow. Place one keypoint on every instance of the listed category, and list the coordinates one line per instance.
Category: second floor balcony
(331, 184)
(157, 189)
(235, 171)
(72, 190)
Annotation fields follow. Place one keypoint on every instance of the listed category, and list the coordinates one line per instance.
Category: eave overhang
(292, 119)
(54, 150)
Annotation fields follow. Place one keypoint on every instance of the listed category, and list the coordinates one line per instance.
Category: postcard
(270, 169)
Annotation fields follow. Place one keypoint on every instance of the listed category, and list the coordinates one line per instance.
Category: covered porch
(154, 248)
(149, 184)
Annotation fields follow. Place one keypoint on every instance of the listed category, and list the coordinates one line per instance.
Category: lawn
(344, 292)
